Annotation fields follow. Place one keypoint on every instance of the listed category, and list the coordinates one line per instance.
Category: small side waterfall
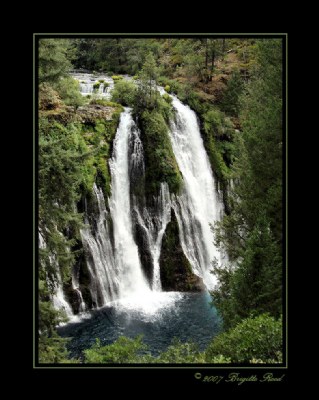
(86, 82)
(76, 288)
(58, 299)
(154, 223)
(100, 258)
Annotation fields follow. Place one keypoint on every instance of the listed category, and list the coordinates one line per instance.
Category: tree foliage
(252, 232)
(124, 93)
(53, 59)
(69, 91)
(258, 338)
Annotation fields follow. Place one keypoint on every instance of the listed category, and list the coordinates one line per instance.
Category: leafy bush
(52, 350)
(179, 352)
(124, 92)
(175, 87)
(213, 122)
(167, 88)
(258, 338)
(123, 350)
(117, 77)
(96, 85)
(49, 99)
(126, 350)
(167, 98)
(69, 91)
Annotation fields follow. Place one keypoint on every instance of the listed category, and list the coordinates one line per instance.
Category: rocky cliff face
(176, 271)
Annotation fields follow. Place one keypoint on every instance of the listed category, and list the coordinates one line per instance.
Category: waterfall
(111, 239)
(86, 82)
(154, 225)
(100, 259)
(58, 299)
(198, 205)
(113, 258)
(131, 278)
(76, 288)
(151, 219)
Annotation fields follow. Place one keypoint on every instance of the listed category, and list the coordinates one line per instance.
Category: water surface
(186, 316)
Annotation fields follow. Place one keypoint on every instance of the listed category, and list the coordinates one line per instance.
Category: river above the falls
(185, 316)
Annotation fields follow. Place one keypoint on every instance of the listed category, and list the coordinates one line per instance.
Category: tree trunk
(206, 62)
(206, 54)
(223, 48)
(213, 61)
(118, 51)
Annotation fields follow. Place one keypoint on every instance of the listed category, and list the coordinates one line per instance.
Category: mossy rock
(160, 162)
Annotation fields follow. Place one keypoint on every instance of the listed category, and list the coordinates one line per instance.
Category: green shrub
(258, 338)
(53, 350)
(167, 88)
(96, 85)
(135, 77)
(175, 87)
(124, 92)
(213, 122)
(167, 98)
(123, 350)
(101, 80)
(179, 352)
(106, 84)
(117, 77)
(126, 350)
(69, 91)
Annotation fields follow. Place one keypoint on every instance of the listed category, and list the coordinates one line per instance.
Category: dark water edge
(191, 318)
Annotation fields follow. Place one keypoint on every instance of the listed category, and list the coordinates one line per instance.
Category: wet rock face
(92, 112)
(143, 249)
(176, 271)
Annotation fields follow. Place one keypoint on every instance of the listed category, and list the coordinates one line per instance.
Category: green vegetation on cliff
(152, 113)
(74, 147)
(160, 162)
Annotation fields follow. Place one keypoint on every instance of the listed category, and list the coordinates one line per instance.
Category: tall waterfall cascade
(199, 204)
(111, 252)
